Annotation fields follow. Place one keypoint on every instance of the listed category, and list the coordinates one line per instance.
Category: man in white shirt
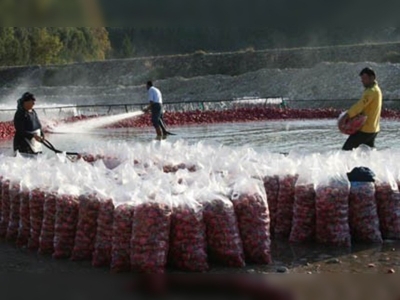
(155, 106)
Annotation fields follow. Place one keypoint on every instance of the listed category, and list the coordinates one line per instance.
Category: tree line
(52, 45)
(62, 45)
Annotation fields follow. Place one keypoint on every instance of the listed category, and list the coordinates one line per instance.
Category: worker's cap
(27, 97)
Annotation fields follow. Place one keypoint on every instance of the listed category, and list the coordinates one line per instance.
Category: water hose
(163, 128)
(50, 146)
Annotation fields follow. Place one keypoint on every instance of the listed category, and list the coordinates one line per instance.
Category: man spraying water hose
(156, 108)
(28, 129)
(369, 105)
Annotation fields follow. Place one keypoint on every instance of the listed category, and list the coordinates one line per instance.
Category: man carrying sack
(369, 105)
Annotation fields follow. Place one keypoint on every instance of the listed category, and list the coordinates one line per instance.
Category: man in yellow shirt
(369, 105)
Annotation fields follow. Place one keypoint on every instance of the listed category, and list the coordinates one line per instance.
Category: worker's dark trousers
(360, 138)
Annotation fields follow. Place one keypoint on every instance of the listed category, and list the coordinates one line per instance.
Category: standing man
(28, 129)
(370, 105)
(156, 108)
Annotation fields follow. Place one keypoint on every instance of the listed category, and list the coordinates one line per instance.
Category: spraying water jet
(89, 125)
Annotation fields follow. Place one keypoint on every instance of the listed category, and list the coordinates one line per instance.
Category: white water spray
(91, 124)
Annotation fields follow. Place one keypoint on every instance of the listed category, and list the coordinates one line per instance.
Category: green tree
(7, 43)
(45, 48)
(102, 42)
(50, 45)
(23, 49)
(127, 47)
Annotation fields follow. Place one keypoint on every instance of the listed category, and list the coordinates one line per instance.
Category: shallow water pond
(274, 136)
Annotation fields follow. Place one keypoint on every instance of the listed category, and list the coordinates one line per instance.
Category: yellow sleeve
(358, 108)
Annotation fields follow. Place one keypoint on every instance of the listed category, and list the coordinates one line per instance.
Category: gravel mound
(333, 81)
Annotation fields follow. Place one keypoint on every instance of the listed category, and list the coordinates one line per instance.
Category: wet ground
(78, 280)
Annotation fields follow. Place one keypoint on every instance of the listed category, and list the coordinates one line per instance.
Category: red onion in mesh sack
(25, 219)
(46, 239)
(5, 207)
(271, 185)
(104, 234)
(351, 126)
(67, 207)
(36, 203)
(284, 214)
(363, 215)
(13, 222)
(188, 246)
(332, 211)
(1, 198)
(150, 237)
(121, 240)
(251, 208)
(388, 201)
(303, 227)
(223, 237)
(175, 168)
(86, 228)
(109, 161)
